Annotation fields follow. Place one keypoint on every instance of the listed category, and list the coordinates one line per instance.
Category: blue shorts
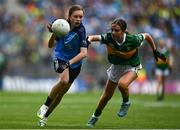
(73, 73)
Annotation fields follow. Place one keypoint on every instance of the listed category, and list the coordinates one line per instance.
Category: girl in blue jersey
(68, 54)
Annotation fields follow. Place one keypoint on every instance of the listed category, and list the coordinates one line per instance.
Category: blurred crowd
(24, 36)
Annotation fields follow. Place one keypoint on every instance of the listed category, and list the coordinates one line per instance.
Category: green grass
(18, 111)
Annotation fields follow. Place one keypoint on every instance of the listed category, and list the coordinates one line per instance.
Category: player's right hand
(49, 27)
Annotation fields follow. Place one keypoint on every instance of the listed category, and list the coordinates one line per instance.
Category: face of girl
(76, 18)
(117, 33)
(161, 43)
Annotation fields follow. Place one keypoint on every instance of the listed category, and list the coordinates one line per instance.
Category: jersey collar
(124, 38)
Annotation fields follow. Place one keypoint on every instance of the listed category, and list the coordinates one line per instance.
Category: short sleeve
(82, 35)
(104, 38)
(139, 38)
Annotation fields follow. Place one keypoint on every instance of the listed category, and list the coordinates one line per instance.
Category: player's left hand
(61, 65)
(157, 55)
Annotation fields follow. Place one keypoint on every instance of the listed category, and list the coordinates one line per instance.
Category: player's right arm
(51, 41)
(94, 38)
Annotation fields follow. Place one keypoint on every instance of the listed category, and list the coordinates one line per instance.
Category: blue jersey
(69, 46)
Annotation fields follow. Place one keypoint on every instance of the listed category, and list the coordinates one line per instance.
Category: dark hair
(122, 23)
(74, 8)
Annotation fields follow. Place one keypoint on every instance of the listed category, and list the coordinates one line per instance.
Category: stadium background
(25, 59)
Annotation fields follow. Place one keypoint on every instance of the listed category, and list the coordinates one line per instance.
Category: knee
(122, 85)
(63, 81)
(63, 87)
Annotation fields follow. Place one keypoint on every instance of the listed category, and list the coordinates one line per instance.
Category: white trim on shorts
(162, 72)
(114, 72)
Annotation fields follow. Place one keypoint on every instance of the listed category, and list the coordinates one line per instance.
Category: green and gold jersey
(125, 53)
(163, 64)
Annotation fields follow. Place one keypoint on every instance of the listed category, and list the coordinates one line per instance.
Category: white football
(60, 27)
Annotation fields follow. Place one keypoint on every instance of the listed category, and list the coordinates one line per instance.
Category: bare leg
(159, 79)
(107, 94)
(58, 91)
(123, 86)
(105, 97)
(57, 99)
(63, 81)
(124, 83)
(163, 87)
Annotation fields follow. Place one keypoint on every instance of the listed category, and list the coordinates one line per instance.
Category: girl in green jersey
(163, 69)
(122, 49)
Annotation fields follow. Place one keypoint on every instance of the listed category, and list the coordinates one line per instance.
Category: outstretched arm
(94, 38)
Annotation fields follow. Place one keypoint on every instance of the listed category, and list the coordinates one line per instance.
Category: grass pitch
(18, 111)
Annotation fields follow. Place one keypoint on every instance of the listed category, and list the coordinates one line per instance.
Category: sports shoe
(42, 122)
(92, 121)
(42, 111)
(124, 109)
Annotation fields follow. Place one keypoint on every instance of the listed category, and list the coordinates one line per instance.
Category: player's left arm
(170, 60)
(66, 64)
(80, 56)
(150, 40)
(156, 53)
